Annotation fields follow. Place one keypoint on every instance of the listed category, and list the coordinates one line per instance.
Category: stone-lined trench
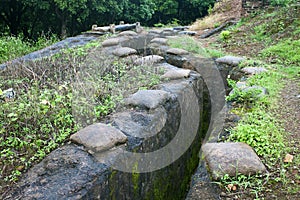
(85, 169)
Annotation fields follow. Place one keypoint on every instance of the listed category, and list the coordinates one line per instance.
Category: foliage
(282, 2)
(242, 95)
(13, 47)
(33, 17)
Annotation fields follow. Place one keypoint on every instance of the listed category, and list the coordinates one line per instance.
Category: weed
(225, 36)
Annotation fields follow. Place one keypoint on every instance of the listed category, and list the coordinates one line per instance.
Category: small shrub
(225, 35)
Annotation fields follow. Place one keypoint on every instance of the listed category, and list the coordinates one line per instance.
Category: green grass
(285, 52)
(13, 47)
(261, 128)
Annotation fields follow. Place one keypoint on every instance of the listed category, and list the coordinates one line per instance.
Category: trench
(192, 114)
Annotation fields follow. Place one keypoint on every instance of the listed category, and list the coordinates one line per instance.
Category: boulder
(150, 99)
(230, 60)
(190, 33)
(110, 42)
(177, 73)
(140, 124)
(231, 158)
(177, 51)
(68, 172)
(127, 33)
(254, 70)
(148, 60)
(162, 41)
(124, 51)
(99, 137)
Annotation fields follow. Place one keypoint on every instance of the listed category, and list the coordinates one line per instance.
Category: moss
(112, 190)
(135, 180)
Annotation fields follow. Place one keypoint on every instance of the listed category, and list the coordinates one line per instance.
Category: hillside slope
(269, 38)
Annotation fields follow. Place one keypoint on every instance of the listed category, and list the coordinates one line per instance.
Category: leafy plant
(225, 36)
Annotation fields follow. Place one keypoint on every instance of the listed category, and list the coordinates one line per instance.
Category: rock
(139, 124)
(158, 49)
(124, 51)
(190, 33)
(288, 158)
(156, 32)
(177, 73)
(148, 60)
(9, 93)
(241, 84)
(178, 61)
(168, 32)
(263, 90)
(177, 51)
(110, 42)
(150, 99)
(254, 70)
(99, 137)
(127, 33)
(179, 28)
(230, 60)
(68, 172)
(2, 66)
(251, 89)
(162, 41)
(231, 158)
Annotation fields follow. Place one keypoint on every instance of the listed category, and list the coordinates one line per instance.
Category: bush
(13, 47)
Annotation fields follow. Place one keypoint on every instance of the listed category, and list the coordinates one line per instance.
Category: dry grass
(222, 11)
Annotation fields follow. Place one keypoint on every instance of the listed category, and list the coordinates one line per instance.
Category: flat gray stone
(128, 33)
(149, 60)
(150, 99)
(177, 51)
(190, 33)
(154, 31)
(177, 73)
(162, 41)
(99, 137)
(230, 158)
(139, 124)
(110, 42)
(230, 60)
(124, 51)
(254, 70)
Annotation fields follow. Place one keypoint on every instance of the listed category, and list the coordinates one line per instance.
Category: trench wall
(73, 172)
